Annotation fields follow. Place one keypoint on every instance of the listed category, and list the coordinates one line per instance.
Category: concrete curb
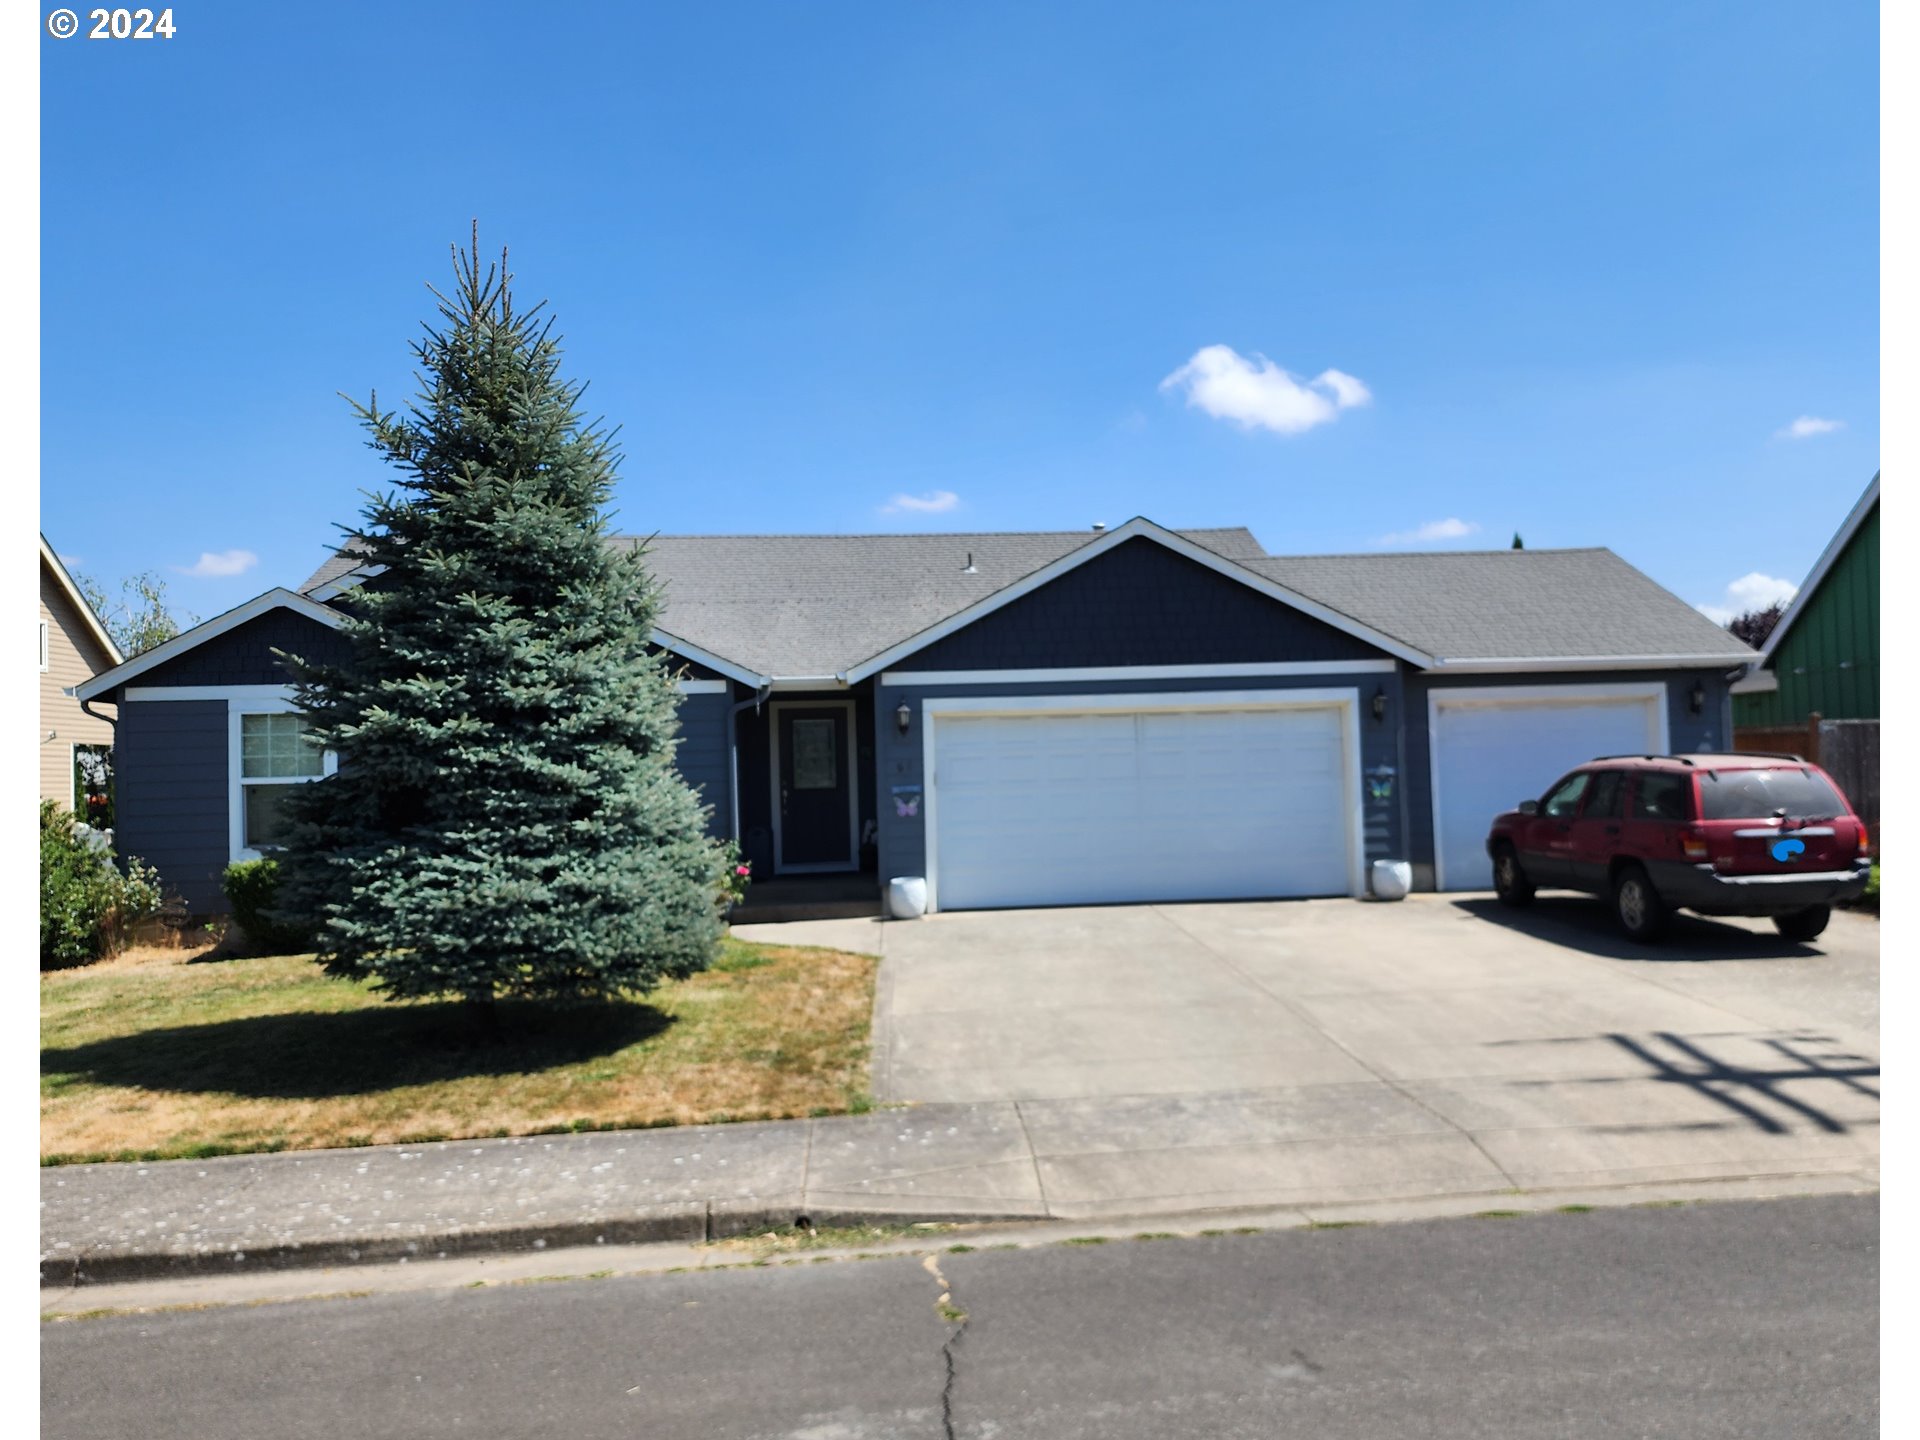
(684, 1223)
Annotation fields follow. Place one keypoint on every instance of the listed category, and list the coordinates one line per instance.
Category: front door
(814, 799)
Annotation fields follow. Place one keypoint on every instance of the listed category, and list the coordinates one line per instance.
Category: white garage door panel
(1489, 757)
(1061, 809)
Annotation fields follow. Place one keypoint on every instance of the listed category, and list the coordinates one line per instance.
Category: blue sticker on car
(1786, 850)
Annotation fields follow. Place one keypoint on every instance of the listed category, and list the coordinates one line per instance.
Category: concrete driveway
(1268, 1053)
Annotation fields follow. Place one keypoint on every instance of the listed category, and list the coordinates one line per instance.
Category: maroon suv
(1717, 834)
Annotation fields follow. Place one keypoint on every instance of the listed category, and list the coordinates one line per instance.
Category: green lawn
(162, 1059)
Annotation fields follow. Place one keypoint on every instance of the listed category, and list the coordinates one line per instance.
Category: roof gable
(56, 567)
(1829, 557)
(189, 640)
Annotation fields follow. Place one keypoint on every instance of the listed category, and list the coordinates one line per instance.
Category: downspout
(86, 708)
(757, 699)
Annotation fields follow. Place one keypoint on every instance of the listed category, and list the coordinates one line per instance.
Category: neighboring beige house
(74, 646)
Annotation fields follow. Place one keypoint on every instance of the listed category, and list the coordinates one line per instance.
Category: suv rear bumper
(1703, 889)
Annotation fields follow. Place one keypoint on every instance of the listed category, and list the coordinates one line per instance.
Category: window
(1658, 796)
(93, 785)
(44, 665)
(813, 755)
(1564, 799)
(274, 753)
(1604, 800)
(1756, 794)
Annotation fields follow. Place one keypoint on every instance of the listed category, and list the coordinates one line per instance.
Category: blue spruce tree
(505, 819)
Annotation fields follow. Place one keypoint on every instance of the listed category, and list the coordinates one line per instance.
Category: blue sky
(1350, 276)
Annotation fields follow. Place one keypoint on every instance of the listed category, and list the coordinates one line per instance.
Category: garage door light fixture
(1697, 698)
(1379, 702)
(903, 717)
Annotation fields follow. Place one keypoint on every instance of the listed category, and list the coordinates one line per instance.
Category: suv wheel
(1803, 924)
(1510, 882)
(1641, 911)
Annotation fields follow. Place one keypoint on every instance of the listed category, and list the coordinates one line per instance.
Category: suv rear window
(1755, 794)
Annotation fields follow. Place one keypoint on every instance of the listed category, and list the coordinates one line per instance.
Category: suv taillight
(1693, 844)
(1864, 847)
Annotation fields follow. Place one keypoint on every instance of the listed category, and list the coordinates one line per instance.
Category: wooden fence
(1848, 750)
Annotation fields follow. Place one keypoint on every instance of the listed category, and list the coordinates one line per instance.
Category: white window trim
(46, 650)
(853, 784)
(1346, 700)
(255, 700)
(1652, 693)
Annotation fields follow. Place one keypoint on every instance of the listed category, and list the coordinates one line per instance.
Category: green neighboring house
(1824, 656)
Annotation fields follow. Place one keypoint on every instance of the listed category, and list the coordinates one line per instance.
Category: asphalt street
(1737, 1319)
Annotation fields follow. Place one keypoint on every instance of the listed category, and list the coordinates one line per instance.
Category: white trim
(703, 687)
(688, 650)
(71, 590)
(1652, 693)
(46, 646)
(807, 682)
(1343, 698)
(774, 707)
(1255, 670)
(1549, 664)
(1828, 558)
(275, 599)
(206, 692)
(250, 700)
(1756, 682)
(1136, 528)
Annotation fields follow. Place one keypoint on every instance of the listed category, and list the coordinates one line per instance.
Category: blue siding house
(1045, 718)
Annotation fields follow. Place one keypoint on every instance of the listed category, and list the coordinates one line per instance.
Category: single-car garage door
(1058, 807)
(1493, 749)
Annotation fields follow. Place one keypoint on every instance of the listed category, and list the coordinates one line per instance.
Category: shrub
(86, 904)
(253, 889)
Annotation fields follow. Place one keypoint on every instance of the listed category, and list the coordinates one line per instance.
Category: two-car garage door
(1059, 806)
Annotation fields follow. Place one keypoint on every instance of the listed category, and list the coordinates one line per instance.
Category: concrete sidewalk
(1158, 1155)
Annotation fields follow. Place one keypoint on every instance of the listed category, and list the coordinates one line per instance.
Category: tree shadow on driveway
(1580, 922)
(314, 1055)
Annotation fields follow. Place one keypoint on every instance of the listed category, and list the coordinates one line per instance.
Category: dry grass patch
(160, 1058)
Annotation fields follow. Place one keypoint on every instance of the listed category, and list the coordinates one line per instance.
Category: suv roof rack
(1770, 755)
(1681, 758)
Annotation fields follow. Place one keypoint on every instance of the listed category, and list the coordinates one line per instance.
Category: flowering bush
(86, 904)
(735, 876)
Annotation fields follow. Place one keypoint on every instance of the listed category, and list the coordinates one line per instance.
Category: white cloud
(1253, 391)
(1448, 529)
(1807, 426)
(1749, 592)
(934, 502)
(227, 562)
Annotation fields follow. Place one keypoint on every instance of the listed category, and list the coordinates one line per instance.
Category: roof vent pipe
(969, 568)
(1099, 525)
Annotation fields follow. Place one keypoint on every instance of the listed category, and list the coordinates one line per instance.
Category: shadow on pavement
(1581, 922)
(313, 1055)
(1749, 1093)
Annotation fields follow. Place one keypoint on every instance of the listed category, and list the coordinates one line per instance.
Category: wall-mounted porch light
(1379, 702)
(903, 717)
(1697, 698)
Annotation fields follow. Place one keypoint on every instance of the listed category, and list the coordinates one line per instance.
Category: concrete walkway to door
(1192, 1056)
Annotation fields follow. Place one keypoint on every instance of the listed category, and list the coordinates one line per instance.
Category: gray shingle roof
(792, 605)
(1508, 604)
(817, 605)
